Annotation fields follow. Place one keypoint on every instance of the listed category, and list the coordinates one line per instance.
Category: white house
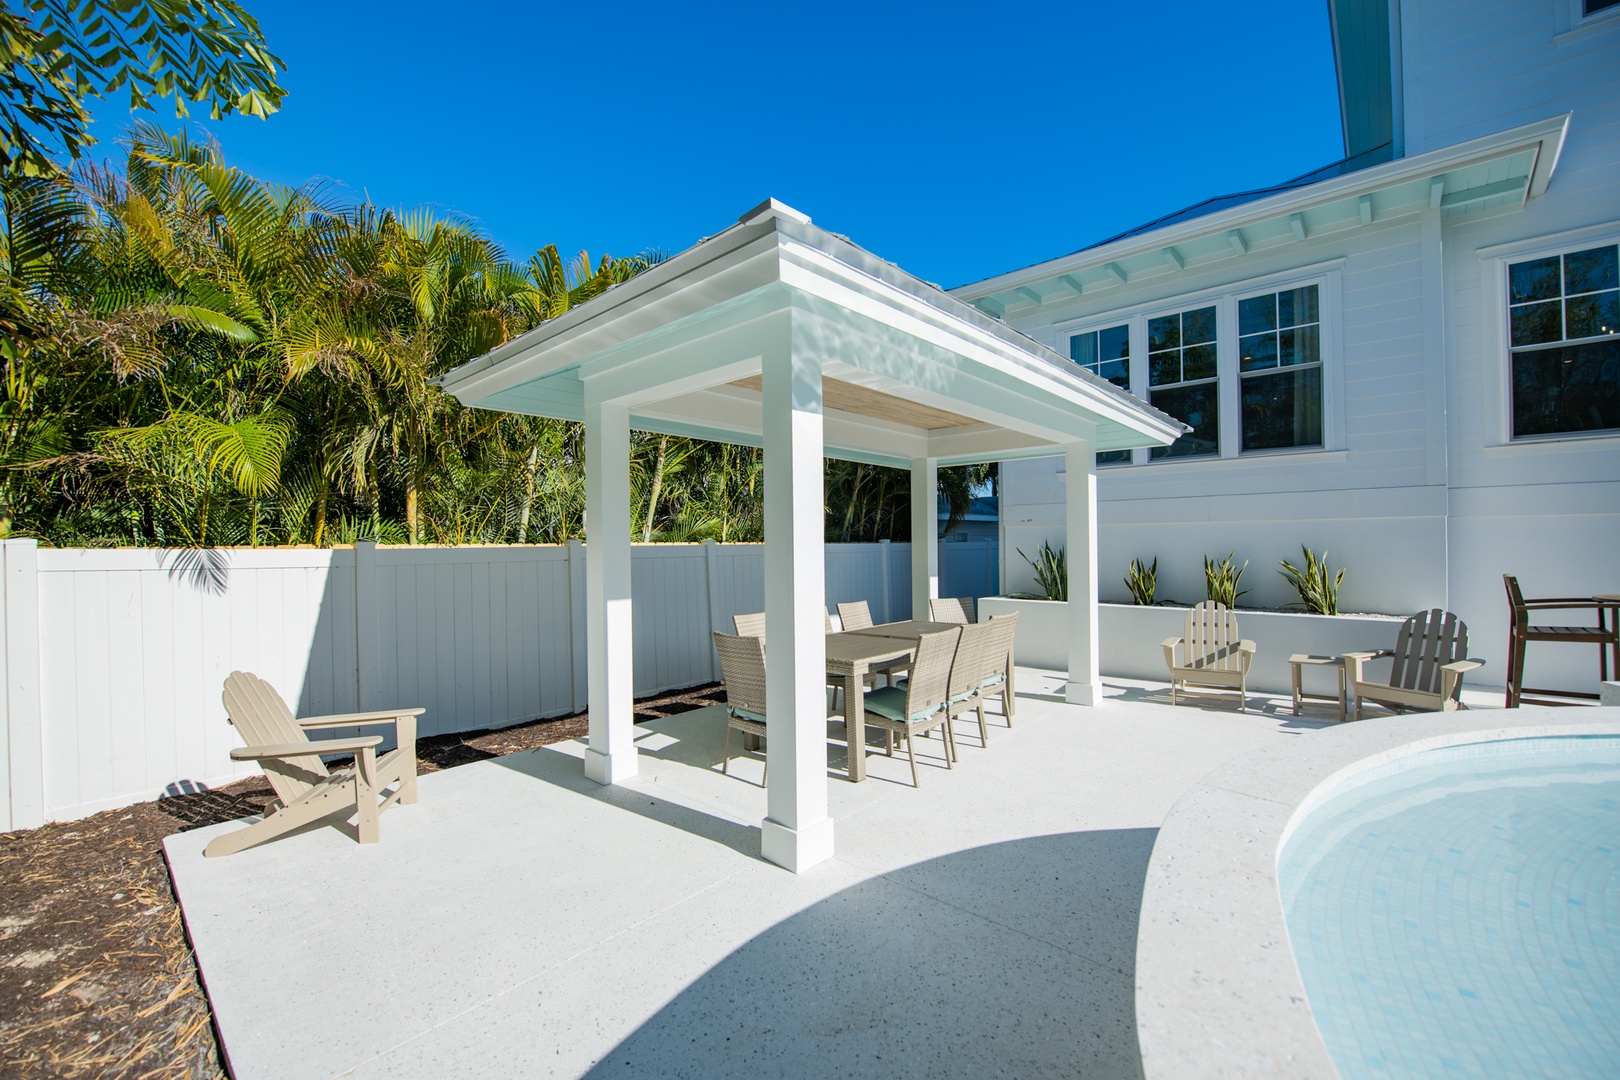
(1408, 358)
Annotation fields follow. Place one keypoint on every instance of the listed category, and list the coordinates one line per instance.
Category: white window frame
(1325, 276)
(1066, 347)
(1578, 16)
(1497, 338)
(1321, 362)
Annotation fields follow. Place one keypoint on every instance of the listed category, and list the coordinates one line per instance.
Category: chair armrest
(1170, 642)
(1246, 646)
(1246, 651)
(1364, 656)
(1461, 666)
(1566, 602)
(1169, 646)
(376, 716)
(305, 749)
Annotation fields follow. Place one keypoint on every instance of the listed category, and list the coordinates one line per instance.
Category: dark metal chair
(1520, 633)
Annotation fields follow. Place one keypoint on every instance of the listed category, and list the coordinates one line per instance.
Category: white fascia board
(1063, 394)
(1545, 137)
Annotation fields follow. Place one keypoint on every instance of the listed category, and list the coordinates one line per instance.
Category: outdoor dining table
(850, 655)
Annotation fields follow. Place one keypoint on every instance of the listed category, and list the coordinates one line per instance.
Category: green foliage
(192, 356)
(1318, 588)
(1051, 567)
(1221, 579)
(58, 55)
(1142, 580)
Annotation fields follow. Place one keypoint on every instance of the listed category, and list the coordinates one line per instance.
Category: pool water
(1456, 913)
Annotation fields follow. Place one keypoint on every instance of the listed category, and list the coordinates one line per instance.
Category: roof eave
(1548, 134)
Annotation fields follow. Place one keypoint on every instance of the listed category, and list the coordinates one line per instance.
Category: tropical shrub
(1051, 567)
(1318, 588)
(1221, 579)
(1142, 581)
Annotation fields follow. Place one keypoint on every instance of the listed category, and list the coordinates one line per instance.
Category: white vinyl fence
(113, 660)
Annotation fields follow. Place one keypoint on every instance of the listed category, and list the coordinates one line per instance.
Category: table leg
(1343, 687)
(855, 726)
(1294, 670)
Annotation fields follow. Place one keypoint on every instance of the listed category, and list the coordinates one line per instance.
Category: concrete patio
(524, 920)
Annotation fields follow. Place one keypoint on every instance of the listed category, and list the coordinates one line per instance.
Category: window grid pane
(1564, 342)
(1280, 372)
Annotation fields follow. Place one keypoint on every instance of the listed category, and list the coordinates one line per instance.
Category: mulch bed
(96, 974)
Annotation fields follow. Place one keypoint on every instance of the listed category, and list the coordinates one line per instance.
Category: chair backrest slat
(1212, 637)
(750, 625)
(742, 666)
(927, 684)
(969, 667)
(263, 718)
(855, 615)
(952, 609)
(1426, 643)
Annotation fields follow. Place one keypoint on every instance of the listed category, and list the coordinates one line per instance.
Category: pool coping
(1218, 993)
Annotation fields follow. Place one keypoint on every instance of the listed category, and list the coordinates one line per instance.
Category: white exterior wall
(112, 661)
(1547, 511)
(1375, 498)
(1423, 498)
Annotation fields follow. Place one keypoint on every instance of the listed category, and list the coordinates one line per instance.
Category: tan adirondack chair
(1430, 658)
(1216, 656)
(305, 790)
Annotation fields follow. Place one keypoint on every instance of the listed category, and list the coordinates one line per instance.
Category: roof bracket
(1296, 222)
(1173, 257)
(1239, 244)
(1072, 282)
(1115, 271)
(1029, 294)
(1437, 192)
(1365, 202)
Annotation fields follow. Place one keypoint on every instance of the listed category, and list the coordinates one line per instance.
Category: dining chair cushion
(993, 680)
(890, 702)
(756, 717)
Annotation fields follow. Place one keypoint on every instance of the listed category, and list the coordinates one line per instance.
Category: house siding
(1421, 498)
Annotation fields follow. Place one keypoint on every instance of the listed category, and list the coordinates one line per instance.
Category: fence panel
(134, 645)
(969, 568)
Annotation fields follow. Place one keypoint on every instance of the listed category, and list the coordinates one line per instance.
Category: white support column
(796, 833)
(1085, 684)
(924, 534)
(611, 757)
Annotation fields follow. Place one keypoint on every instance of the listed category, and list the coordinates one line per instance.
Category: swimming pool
(1456, 912)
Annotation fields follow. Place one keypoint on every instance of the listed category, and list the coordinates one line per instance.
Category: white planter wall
(112, 661)
(1130, 638)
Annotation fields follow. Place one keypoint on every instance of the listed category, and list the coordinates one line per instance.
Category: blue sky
(957, 140)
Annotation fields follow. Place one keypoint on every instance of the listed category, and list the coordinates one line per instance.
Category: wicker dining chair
(998, 666)
(742, 665)
(970, 670)
(954, 609)
(923, 705)
(855, 615)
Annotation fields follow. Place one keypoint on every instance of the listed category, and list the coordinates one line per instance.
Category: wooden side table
(1302, 660)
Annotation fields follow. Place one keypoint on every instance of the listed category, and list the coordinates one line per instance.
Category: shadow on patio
(1012, 959)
